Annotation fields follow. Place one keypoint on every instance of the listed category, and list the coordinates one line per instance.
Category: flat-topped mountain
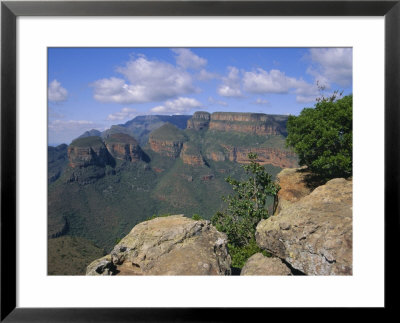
(200, 120)
(141, 126)
(87, 151)
(124, 147)
(107, 184)
(252, 123)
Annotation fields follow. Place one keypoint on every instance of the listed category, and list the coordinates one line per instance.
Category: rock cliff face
(199, 121)
(314, 233)
(167, 140)
(191, 155)
(253, 123)
(124, 147)
(88, 151)
(293, 187)
(173, 245)
(271, 156)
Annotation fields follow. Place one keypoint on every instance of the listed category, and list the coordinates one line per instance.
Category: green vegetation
(102, 204)
(71, 255)
(246, 207)
(197, 217)
(240, 254)
(92, 141)
(168, 132)
(57, 161)
(120, 138)
(238, 139)
(322, 137)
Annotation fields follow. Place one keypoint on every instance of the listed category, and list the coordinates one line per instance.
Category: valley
(104, 183)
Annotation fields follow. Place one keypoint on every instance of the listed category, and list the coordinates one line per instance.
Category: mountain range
(104, 183)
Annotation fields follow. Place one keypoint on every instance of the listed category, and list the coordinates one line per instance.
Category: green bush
(323, 137)
(197, 217)
(246, 207)
(240, 254)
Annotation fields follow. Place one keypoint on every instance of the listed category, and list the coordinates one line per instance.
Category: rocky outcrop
(88, 151)
(173, 245)
(253, 123)
(265, 155)
(314, 234)
(191, 155)
(124, 147)
(167, 140)
(271, 156)
(293, 187)
(200, 120)
(259, 265)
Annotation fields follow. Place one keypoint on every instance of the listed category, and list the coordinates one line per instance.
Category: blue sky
(94, 88)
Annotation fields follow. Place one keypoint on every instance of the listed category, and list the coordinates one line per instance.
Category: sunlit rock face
(172, 245)
(124, 147)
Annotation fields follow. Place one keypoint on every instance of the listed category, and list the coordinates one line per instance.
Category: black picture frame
(10, 10)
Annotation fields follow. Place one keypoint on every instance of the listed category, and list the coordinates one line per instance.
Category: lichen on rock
(173, 245)
(313, 234)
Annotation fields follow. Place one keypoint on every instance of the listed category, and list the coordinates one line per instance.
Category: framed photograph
(151, 141)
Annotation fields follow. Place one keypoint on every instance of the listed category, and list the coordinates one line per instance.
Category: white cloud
(205, 75)
(277, 82)
(125, 113)
(56, 93)
(230, 84)
(332, 65)
(274, 81)
(178, 106)
(261, 101)
(145, 81)
(213, 101)
(186, 59)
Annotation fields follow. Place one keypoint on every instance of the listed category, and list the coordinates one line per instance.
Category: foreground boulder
(259, 265)
(314, 234)
(173, 245)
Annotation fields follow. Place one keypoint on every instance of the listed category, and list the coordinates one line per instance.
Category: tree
(322, 137)
(245, 208)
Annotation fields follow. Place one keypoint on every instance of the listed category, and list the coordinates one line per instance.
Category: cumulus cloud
(274, 81)
(205, 75)
(144, 81)
(125, 113)
(186, 59)
(178, 106)
(230, 84)
(277, 82)
(332, 65)
(56, 93)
